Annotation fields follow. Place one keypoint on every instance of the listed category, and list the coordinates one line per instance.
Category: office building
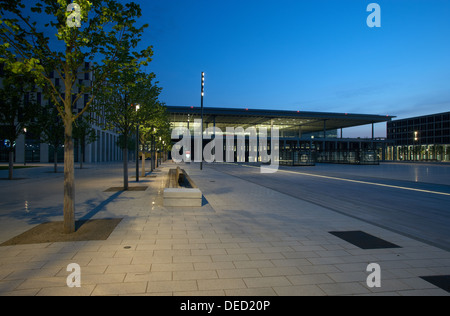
(28, 147)
(423, 138)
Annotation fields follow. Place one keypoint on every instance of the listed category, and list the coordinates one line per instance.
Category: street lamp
(137, 144)
(164, 151)
(154, 166)
(25, 146)
(203, 94)
(416, 139)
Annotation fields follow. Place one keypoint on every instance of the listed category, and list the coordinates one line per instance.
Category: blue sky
(311, 55)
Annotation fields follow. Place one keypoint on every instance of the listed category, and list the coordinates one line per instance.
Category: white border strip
(360, 182)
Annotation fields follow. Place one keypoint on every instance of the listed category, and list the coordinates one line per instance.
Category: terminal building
(424, 138)
(305, 138)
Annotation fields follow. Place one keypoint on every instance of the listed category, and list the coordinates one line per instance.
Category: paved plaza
(250, 237)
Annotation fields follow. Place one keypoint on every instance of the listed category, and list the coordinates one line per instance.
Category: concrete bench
(181, 191)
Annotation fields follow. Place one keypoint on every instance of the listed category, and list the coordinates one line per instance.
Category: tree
(50, 127)
(123, 91)
(156, 125)
(145, 137)
(84, 134)
(161, 131)
(17, 110)
(105, 34)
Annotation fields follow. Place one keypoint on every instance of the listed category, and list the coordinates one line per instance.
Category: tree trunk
(81, 155)
(11, 165)
(125, 168)
(143, 164)
(69, 180)
(55, 156)
(152, 154)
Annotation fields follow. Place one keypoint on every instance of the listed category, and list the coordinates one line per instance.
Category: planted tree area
(47, 39)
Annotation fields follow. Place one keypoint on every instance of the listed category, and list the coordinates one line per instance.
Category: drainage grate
(441, 281)
(364, 240)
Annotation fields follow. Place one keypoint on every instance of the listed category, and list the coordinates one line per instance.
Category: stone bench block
(171, 193)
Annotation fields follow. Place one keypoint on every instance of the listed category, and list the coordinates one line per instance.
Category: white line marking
(361, 182)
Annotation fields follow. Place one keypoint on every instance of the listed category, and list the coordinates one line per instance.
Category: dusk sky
(310, 55)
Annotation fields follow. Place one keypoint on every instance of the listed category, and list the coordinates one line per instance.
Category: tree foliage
(38, 39)
(50, 127)
(129, 99)
(84, 134)
(17, 110)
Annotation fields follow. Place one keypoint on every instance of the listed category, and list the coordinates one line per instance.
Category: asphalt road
(413, 200)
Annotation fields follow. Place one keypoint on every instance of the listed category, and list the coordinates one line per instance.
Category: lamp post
(203, 94)
(159, 152)
(137, 144)
(416, 139)
(164, 151)
(152, 150)
(25, 146)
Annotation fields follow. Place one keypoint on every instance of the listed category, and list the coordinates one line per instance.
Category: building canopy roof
(305, 121)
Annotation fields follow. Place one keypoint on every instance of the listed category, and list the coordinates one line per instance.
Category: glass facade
(29, 149)
(425, 138)
(305, 138)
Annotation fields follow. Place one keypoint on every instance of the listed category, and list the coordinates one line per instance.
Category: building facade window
(427, 138)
